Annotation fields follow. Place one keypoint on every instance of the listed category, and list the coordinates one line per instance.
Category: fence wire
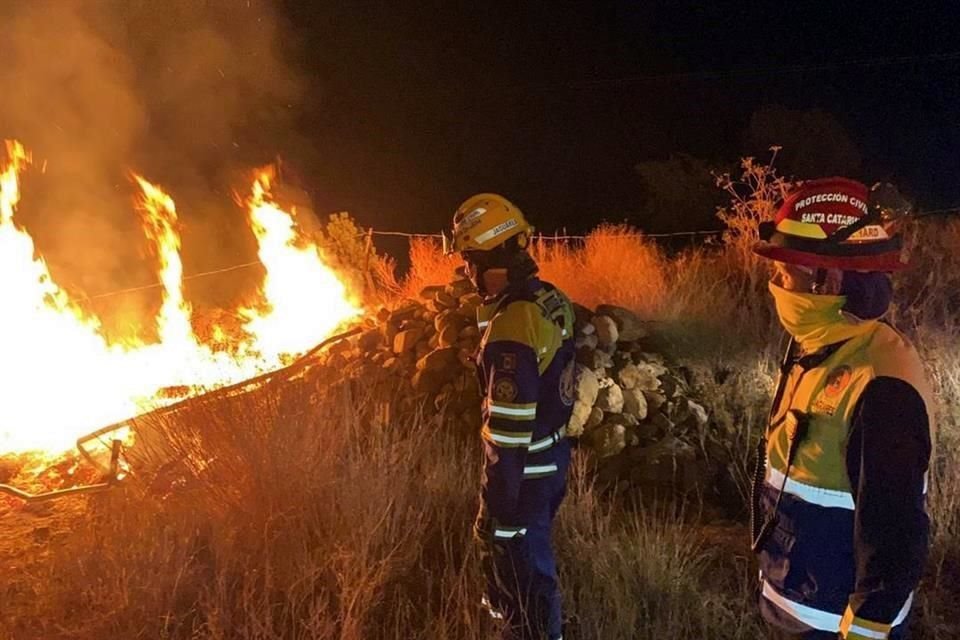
(370, 233)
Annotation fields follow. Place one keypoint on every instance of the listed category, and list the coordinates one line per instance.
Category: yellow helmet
(484, 222)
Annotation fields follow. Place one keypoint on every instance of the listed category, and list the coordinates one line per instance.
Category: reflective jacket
(851, 531)
(526, 371)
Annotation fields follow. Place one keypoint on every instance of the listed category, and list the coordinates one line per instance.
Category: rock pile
(632, 410)
(421, 352)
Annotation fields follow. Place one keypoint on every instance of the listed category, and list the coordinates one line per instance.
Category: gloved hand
(484, 532)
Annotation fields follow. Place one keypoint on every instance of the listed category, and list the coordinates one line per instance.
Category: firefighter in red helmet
(839, 509)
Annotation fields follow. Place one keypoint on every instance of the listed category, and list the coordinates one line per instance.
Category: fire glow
(61, 378)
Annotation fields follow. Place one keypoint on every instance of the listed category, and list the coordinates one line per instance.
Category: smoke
(189, 93)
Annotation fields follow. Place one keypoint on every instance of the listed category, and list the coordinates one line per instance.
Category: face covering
(518, 264)
(814, 320)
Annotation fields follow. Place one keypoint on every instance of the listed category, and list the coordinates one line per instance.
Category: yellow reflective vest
(846, 507)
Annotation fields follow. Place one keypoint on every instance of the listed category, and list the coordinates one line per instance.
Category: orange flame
(160, 220)
(61, 378)
(304, 298)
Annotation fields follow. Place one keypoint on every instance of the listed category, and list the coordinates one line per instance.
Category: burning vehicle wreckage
(108, 394)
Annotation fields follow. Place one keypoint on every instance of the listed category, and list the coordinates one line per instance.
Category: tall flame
(160, 222)
(305, 299)
(58, 374)
(61, 378)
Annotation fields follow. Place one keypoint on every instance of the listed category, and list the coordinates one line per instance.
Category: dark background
(565, 107)
(397, 111)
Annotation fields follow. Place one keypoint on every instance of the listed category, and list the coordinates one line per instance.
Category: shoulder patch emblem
(505, 390)
(837, 381)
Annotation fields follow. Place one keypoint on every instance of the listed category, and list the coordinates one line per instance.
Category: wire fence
(154, 285)
(563, 236)
(371, 233)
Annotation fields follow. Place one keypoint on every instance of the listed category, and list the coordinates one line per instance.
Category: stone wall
(635, 413)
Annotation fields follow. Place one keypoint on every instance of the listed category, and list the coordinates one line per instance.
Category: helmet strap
(521, 267)
(820, 281)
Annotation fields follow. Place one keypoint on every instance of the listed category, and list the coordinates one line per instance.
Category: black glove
(484, 532)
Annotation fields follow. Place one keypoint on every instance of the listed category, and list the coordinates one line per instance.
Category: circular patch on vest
(568, 384)
(837, 381)
(505, 390)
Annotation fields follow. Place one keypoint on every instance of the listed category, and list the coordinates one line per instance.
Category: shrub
(614, 264)
(428, 266)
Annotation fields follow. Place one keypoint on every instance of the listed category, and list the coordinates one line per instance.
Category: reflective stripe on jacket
(526, 371)
(851, 535)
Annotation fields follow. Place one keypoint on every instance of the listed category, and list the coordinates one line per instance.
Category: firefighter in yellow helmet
(526, 372)
(839, 517)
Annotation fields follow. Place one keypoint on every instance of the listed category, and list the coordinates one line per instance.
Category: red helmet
(831, 223)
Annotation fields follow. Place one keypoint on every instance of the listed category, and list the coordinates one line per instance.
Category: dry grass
(941, 590)
(428, 266)
(613, 265)
(711, 311)
(692, 298)
(624, 268)
(294, 513)
(314, 521)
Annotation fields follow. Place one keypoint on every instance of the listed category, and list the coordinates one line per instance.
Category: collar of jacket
(812, 360)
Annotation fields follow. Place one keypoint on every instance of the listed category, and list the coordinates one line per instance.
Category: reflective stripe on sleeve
(507, 533)
(904, 612)
(855, 633)
(512, 411)
(854, 628)
(545, 443)
(831, 498)
(539, 470)
(507, 439)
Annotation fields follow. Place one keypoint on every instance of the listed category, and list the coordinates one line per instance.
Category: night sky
(397, 111)
(408, 111)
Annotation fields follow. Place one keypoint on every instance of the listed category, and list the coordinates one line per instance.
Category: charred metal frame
(113, 476)
(115, 472)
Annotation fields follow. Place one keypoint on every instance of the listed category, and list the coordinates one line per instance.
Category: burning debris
(632, 410)
(62, 378)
